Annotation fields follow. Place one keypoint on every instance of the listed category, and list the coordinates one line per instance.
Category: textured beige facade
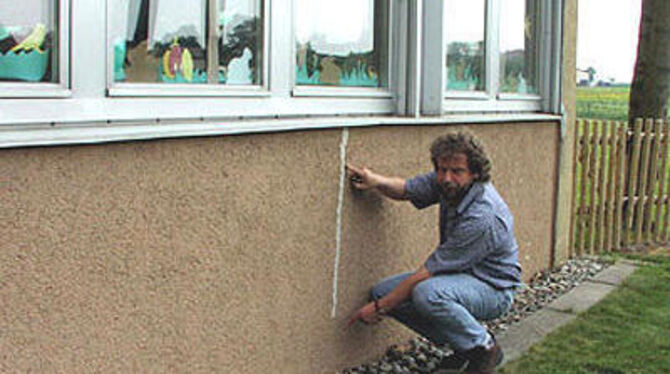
(217, 254)
(567, 163)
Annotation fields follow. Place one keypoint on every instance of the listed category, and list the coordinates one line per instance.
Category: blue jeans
(446, 308)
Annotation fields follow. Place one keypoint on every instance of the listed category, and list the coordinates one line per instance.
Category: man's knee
(427, 299)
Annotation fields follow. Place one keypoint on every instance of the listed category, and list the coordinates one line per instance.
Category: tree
(651, 80)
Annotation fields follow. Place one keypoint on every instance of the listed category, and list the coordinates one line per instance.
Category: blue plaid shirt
(476, 237)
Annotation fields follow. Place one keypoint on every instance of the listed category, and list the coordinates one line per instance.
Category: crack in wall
(338, 224)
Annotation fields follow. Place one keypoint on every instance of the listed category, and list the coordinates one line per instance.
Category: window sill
(344, 92)
(30, 136)
(185, 90)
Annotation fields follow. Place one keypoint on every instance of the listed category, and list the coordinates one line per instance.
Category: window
(518, 48)
(496, 55)
(331, 54)
(207, 42)
(465, 34)
(197, 66)
(33, 51)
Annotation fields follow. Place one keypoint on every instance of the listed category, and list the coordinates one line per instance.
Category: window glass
(465, 44)
(240, 42)
(341, 43)
(28, 41)
(518, 47)
(173, 41)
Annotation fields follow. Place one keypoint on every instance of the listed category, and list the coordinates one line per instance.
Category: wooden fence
(621, 185)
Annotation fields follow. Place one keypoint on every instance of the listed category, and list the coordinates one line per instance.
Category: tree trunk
(651, 79)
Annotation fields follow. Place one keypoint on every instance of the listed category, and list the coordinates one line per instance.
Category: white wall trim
(17, 112)
(95, 133)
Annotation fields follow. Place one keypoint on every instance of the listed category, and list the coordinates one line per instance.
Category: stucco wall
(567, 146)
(217, 254)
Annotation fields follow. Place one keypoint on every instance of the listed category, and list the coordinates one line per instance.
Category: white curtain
(167, 17)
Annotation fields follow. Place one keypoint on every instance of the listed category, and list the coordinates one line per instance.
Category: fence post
(576, 209)
(611, 182)
(667, 194)
(662, 194)
(620, 184)
(602, 177)
(632, 182)
(653, 179)
(586, 161)
(644, 174)
(594, 186)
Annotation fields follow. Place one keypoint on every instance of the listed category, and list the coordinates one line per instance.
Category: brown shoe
(454, 363)
(484, 361)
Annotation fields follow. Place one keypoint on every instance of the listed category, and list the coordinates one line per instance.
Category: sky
(607, 37)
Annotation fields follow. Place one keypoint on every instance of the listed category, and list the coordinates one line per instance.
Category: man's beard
(454, 193)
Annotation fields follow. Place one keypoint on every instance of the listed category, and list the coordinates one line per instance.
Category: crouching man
(472, 273)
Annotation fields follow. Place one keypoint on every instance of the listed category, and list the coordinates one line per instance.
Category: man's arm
(371, 311)
(364, 179)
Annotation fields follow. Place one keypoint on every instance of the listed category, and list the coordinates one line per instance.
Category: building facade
(172, 187)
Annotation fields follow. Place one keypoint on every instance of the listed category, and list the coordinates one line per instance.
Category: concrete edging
(518, 339)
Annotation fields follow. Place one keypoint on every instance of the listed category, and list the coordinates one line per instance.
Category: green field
(603, 102)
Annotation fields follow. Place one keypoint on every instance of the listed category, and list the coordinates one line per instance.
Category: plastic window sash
(544, 70)
(48, 89)
(115, 89)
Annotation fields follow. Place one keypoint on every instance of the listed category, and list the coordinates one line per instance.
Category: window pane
(341, 43)
(28, 41)
(167, 41)
(465, 44)
(241, 44)
(518, 47)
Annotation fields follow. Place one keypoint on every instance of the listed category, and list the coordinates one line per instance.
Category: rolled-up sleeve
(471, 241)
(423, 190)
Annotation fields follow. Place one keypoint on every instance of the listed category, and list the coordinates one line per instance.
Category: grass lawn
(628, 332)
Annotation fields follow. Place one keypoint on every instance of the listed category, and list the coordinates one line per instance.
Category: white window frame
(91, 105)
(48, 89)
(124, 89)
(438, 101)
(80, 109)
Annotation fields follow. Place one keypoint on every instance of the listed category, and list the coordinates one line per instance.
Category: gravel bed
(421, 356)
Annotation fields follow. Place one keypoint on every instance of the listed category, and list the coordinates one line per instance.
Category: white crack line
(338, 228)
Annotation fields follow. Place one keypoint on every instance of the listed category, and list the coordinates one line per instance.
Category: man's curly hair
(453, 143)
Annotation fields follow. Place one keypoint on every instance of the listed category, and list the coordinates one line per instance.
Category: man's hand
(365, 179)
(362, 178)
(367, 314)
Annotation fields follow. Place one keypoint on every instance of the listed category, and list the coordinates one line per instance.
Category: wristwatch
(378, 309)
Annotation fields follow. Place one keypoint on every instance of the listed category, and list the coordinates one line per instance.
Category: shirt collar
(475, 191)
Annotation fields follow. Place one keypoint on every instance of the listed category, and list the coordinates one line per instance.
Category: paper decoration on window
(26, 60)
(353, 70)
(238, 69)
